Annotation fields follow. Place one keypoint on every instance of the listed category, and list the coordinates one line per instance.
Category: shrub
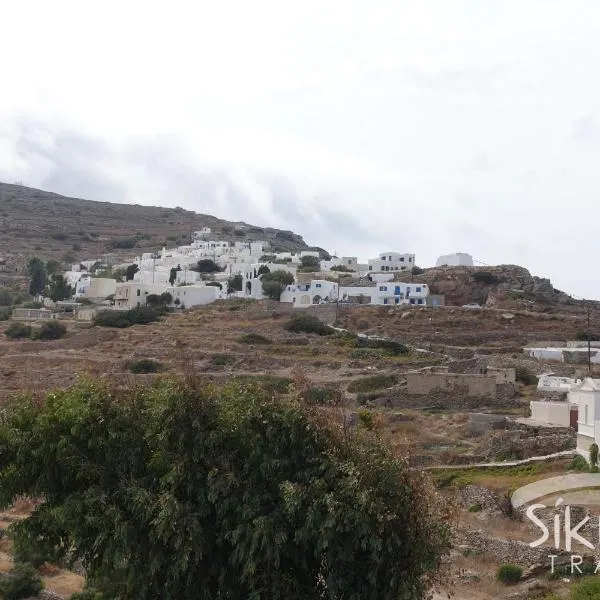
(5, 312)
(320, 395)
(374, 382)
(594, 455)
(582, 336)
(485, 277)
(141, 315)
(366, 418)
(341, 269)
(18, 330)
(52, 330)
(146, 365)
(220, 360)
(6, 298)
(475, 508)
(22, 582)
(365, 354)
(417, 271)
(123, 243)
(509, 574)
(579, 464)
(32, 304)
(588, 589)
(253, 338)
(206, 265)
(525, 376)
(308, 324)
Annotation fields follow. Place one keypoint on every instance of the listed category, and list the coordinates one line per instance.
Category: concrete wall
(554, 413)
(475, 385)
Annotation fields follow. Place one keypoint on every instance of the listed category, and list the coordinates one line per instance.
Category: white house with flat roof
(391, 261)
(458, 259)
(318, 291)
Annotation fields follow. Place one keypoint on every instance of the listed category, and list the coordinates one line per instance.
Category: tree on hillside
(181, 492)
(173, 274)
(234, 284)
(52, 267)
(310, 264)
(262, 270)
(206, 265)
(38, 278)
(274, 283)
(59, 289)
(130, 271)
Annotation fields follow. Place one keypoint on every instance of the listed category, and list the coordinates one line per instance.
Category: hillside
(51, 226)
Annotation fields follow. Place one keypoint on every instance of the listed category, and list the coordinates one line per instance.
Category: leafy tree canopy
(183, 492)
(274, 283)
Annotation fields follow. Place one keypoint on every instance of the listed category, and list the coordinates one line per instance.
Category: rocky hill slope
(504, 286)
(51, 226)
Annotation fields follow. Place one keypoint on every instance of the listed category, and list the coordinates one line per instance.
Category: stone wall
(524, 443)
(509, 551)
(470, 384)
(457, 398)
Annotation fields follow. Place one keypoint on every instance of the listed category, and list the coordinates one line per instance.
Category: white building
(458, 259)
(318, 291)
(131, 294)
(581, 410)
(548, 382)
(391, 261)
(95, 287)
(387, 293)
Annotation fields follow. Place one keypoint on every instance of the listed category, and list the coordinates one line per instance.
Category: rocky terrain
(38, 223)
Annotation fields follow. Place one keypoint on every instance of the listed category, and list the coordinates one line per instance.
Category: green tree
(310, 264)
(173, 274)
(274, 283)
(52, 267)
(206, 265)
(234, 284)
(166, 298)
(130, 271)
(161, 490)
(6, 298)
(262, 270)
(59, 289)
(37, 274)
(594, 457)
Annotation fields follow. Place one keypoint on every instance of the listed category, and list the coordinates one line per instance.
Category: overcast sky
(430, 127)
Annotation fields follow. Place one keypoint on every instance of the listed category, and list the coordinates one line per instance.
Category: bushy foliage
(161, 490)
(389, 347)
(373, 382)
(253, 338)
(206, 265)
(275, 282)
(417, 270)
(594, 455)
(18, 330)
(123, 243)
(141, 315)
(509, 574)
(308, 324)
(59, 288)
(579, 464)
(525, 376)
(5, 313)
(146, 365)
(52, 330)
(341, 269)
(234, 284)
(22, 582)
(588, 589)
